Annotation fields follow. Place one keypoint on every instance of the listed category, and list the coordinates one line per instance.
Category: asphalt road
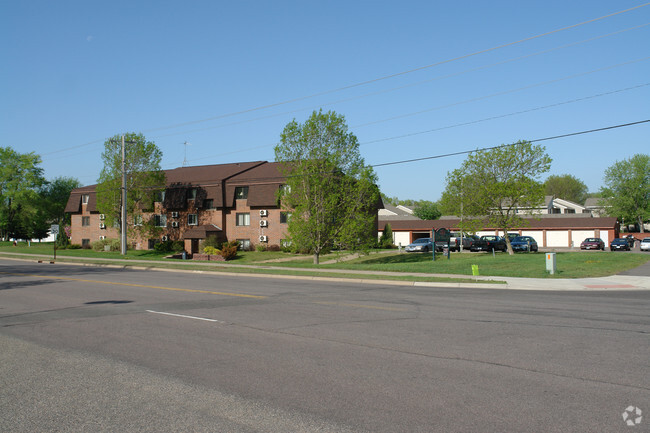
(98, 349)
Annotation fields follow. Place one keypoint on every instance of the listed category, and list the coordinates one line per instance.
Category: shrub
(113, 244)
(212, 241)
(73, 247)
(273, 248)
(229, 251)
(163, 247)
(386, 239)
(211, 251)
(260, 248)
(178, 246)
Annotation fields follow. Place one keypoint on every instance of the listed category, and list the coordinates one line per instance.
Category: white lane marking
(184, 316)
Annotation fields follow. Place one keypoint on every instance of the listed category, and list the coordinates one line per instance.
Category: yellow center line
(372, 307)
(176, 289)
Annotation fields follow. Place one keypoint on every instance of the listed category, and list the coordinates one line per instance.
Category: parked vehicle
(455, 239)
(592, 244)
(619, 244)
(645, 244)
(422, 245)
(489, 243)
(524, 243)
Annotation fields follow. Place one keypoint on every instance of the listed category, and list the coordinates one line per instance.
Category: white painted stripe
(184, 316)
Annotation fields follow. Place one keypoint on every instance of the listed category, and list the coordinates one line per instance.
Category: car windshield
(490, 238)
(522, 239)
(591, 240)
(421, 241)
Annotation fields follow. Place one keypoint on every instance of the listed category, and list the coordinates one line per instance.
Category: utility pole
(123, 237)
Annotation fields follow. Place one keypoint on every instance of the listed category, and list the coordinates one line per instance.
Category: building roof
(201, 232)
(562, 222)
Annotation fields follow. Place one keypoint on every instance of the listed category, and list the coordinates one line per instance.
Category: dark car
(619, 244)
(592, 244)
(422, 245)
(524, 243)
(489, 243)
(455, 240)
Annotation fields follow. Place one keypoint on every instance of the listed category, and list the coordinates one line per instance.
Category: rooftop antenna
(185, 158)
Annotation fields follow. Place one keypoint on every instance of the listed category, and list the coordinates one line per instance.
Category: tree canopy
(567, 187)
(427, 210)
(20, 179)
(330, 191)
(626, 193)
(496, 186)
(144, 179)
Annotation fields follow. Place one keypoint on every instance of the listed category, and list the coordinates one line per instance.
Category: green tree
(20, 179)
(386, 239)
(330, 190)
(626, 193)
(496, 186)
(426, 210)
(567, 187)
(144, 180)
(54, 197)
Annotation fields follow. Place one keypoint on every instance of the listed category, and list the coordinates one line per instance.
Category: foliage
(54, 197)
(273, 247)
(20, 179)
(330, 190)
(178, 246)
(144, 180)
(386, 238)
(567, 187)
(260, 247)
(169, 246)
(495, 187)
(229, 250)
(427, 210)
(626, 193)
(211, 251)
(113, 244)
(211, 241)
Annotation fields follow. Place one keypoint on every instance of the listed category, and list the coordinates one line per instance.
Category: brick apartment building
(230, 201)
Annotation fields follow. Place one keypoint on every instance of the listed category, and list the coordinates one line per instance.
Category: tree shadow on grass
(399, 258)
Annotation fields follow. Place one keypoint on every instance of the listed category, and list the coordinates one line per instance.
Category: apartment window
(160, 196)
(284, 217)
(137, 220)
(244, 244)
(191, 194)
(243, 219)
(192, 219)
(241, 192)
(85, 221)
(208, 204)
(85, 198)
(160, 220)
(85, 243)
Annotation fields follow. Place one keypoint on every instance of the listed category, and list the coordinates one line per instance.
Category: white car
(645, 244)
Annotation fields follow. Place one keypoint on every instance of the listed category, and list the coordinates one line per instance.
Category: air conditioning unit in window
(102, 225)
(264, 238)
(102, 216)
(174, 214)
(264, 223)
(165, 238)
(175, 224)
(101, 238)
(264, 212)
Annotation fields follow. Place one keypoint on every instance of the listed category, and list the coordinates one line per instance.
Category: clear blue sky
(77, 72)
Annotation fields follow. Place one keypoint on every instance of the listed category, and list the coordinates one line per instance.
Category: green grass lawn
(530, 265)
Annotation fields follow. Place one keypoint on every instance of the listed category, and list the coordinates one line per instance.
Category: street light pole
(123, 237)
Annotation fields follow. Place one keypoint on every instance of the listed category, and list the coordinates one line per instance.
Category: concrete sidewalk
(635, 279)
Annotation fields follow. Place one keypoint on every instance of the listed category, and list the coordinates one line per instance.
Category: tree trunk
(641, 228)
(316, 258)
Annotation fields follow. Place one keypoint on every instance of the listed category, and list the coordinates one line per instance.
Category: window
(284, 217)
(85, 198)
(243, 219)
(137, 220)
(241, 192)
(85, 221)
(85, 243)
(244, 244)
(160, 196)
(208, 203)
(191, 194)
(192, 219)
(160, 220)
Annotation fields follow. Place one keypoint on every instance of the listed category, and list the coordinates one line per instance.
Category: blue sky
(75, 73)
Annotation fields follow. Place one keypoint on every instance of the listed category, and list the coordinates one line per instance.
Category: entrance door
(195, 246)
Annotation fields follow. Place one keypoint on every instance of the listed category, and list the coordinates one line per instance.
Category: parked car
(645, 244)
(422, 245)
(592, 244)
(489, 243)
(455, 239)
(619, 244)
(524, 243)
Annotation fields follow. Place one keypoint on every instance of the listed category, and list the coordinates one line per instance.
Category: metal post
(433, 243)
(123, 237)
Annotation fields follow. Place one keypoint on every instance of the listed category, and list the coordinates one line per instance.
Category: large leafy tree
(567, 187)
(496, 186)
(144, 179)
(626, 193)
(54, 197)
(20, 179)
(330, 190)
(427, 210)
